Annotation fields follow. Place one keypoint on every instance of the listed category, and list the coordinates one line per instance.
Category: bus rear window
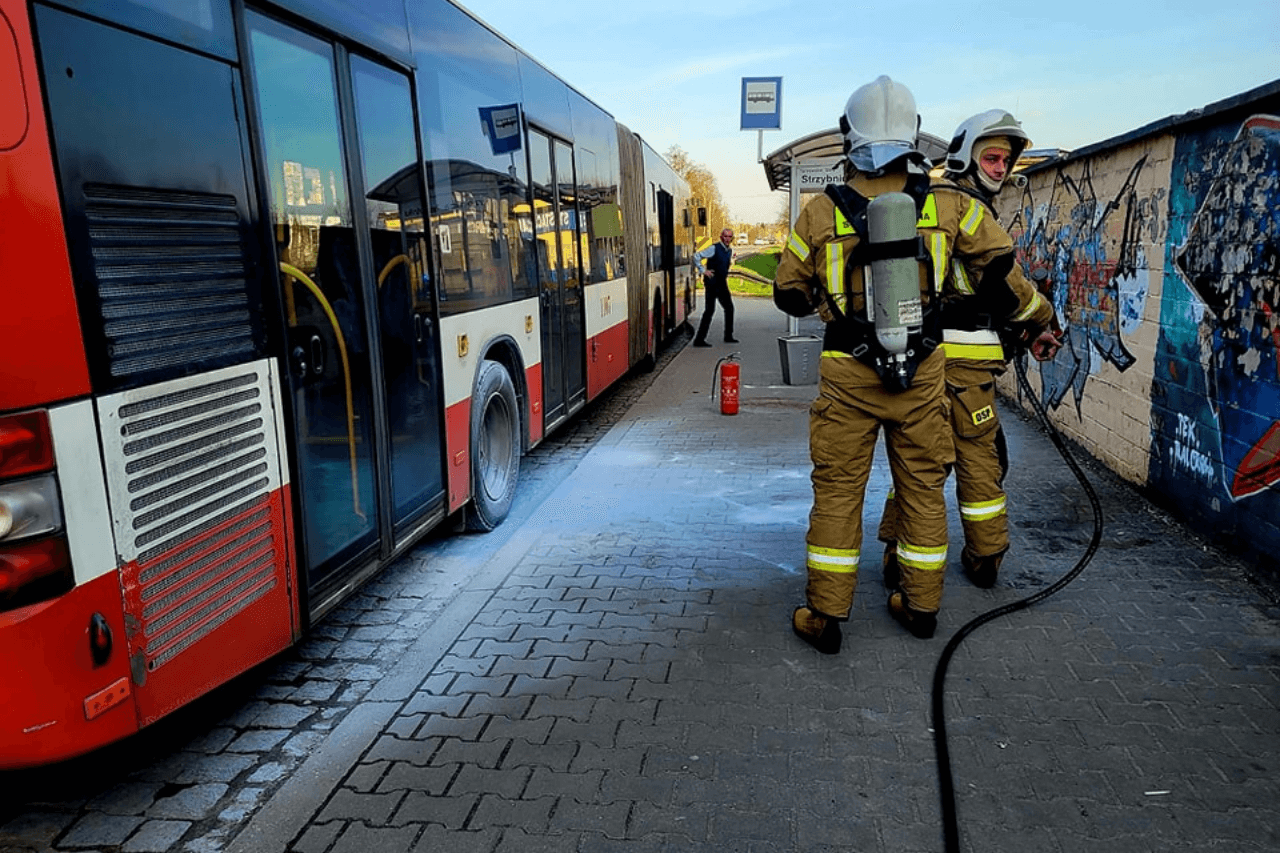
(201, 24)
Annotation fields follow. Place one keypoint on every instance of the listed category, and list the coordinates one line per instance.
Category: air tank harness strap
(854, 334)
(852, 205)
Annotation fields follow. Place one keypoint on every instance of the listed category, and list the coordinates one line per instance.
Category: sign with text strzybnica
(761, 103)
(814, 177)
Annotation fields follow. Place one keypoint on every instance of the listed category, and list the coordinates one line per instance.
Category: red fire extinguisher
(729, 371)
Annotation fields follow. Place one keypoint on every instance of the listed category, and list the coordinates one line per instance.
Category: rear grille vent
(198, 537)
(172, 280)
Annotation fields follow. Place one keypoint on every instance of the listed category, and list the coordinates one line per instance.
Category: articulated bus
(286, 285)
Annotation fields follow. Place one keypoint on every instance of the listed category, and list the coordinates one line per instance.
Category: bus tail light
(34, 571)
(29, 508)
(35, 561)
(25, 445)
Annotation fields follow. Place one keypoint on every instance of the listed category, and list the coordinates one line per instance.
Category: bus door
(667, 237)
(551, 176)
(368, 451)
(395, 221)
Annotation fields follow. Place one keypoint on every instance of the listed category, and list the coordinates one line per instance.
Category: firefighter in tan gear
(864, 383)
(984, 322)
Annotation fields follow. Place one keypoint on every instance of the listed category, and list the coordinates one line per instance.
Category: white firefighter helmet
(960, 154)
(880, 124)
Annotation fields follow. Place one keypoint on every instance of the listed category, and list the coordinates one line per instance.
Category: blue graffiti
(1083, 279)
(1231, 260)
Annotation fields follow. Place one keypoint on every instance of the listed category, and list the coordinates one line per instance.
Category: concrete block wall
(1162, 249)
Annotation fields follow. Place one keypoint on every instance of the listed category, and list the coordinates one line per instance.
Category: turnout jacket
(981, 312)
(970, 253)
(812, 273)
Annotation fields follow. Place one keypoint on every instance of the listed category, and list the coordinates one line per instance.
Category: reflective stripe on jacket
(814, 258)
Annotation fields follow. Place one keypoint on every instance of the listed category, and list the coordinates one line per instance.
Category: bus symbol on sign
(761, 103)
(761, 97)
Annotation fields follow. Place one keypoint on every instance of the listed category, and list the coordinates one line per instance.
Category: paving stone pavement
(193, 780)
(615, 672)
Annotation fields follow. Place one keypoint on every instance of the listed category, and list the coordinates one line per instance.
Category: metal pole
(793, 323)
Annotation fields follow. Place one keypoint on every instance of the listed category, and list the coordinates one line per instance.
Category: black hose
(950, 827)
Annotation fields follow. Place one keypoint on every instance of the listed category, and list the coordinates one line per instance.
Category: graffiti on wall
(1228, 188)
(1086, 246)
(1163, 250)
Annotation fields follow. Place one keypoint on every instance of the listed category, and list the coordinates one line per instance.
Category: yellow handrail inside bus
(386, 270)
(392, 264)
(293, 272)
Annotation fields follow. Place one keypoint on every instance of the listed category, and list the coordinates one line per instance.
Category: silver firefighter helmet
(961, 152)
(880, 124)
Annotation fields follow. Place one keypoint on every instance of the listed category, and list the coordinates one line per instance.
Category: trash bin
(800, 354)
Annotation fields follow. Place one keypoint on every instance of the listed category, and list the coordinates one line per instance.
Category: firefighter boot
(981, 571)
(892, 574)
(918, 622)
(821, 632)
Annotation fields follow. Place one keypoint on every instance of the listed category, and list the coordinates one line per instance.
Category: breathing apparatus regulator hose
(951, 830)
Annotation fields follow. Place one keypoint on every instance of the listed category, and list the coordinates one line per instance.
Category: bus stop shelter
(800, 165)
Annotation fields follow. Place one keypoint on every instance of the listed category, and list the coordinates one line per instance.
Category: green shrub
(763, 264)
(746, 287)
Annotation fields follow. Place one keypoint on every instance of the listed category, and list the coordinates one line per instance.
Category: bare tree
(782, 222)
(703, 190)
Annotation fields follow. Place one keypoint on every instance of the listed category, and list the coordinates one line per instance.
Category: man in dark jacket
(714, 262)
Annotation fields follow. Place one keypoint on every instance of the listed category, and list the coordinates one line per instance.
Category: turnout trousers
(981, 463)
(844, 424)
(982, 460)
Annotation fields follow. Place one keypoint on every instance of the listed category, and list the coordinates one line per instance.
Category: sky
(1074, 73)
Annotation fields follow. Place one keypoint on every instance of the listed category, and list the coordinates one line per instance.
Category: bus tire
(495, 447)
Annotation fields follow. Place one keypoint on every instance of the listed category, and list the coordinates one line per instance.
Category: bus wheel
(495, 447)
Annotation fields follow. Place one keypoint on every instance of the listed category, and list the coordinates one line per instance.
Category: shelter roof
(827, 147)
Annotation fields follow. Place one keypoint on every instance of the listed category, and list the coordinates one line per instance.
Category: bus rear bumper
(62, 693)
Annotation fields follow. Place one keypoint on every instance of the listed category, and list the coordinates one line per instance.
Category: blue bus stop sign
(761, 103)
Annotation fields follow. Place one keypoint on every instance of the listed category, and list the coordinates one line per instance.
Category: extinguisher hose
(951, 830)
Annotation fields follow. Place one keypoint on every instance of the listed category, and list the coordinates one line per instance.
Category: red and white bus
(286, 284)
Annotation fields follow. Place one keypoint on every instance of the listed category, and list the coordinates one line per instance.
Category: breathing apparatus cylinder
(893, 283)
